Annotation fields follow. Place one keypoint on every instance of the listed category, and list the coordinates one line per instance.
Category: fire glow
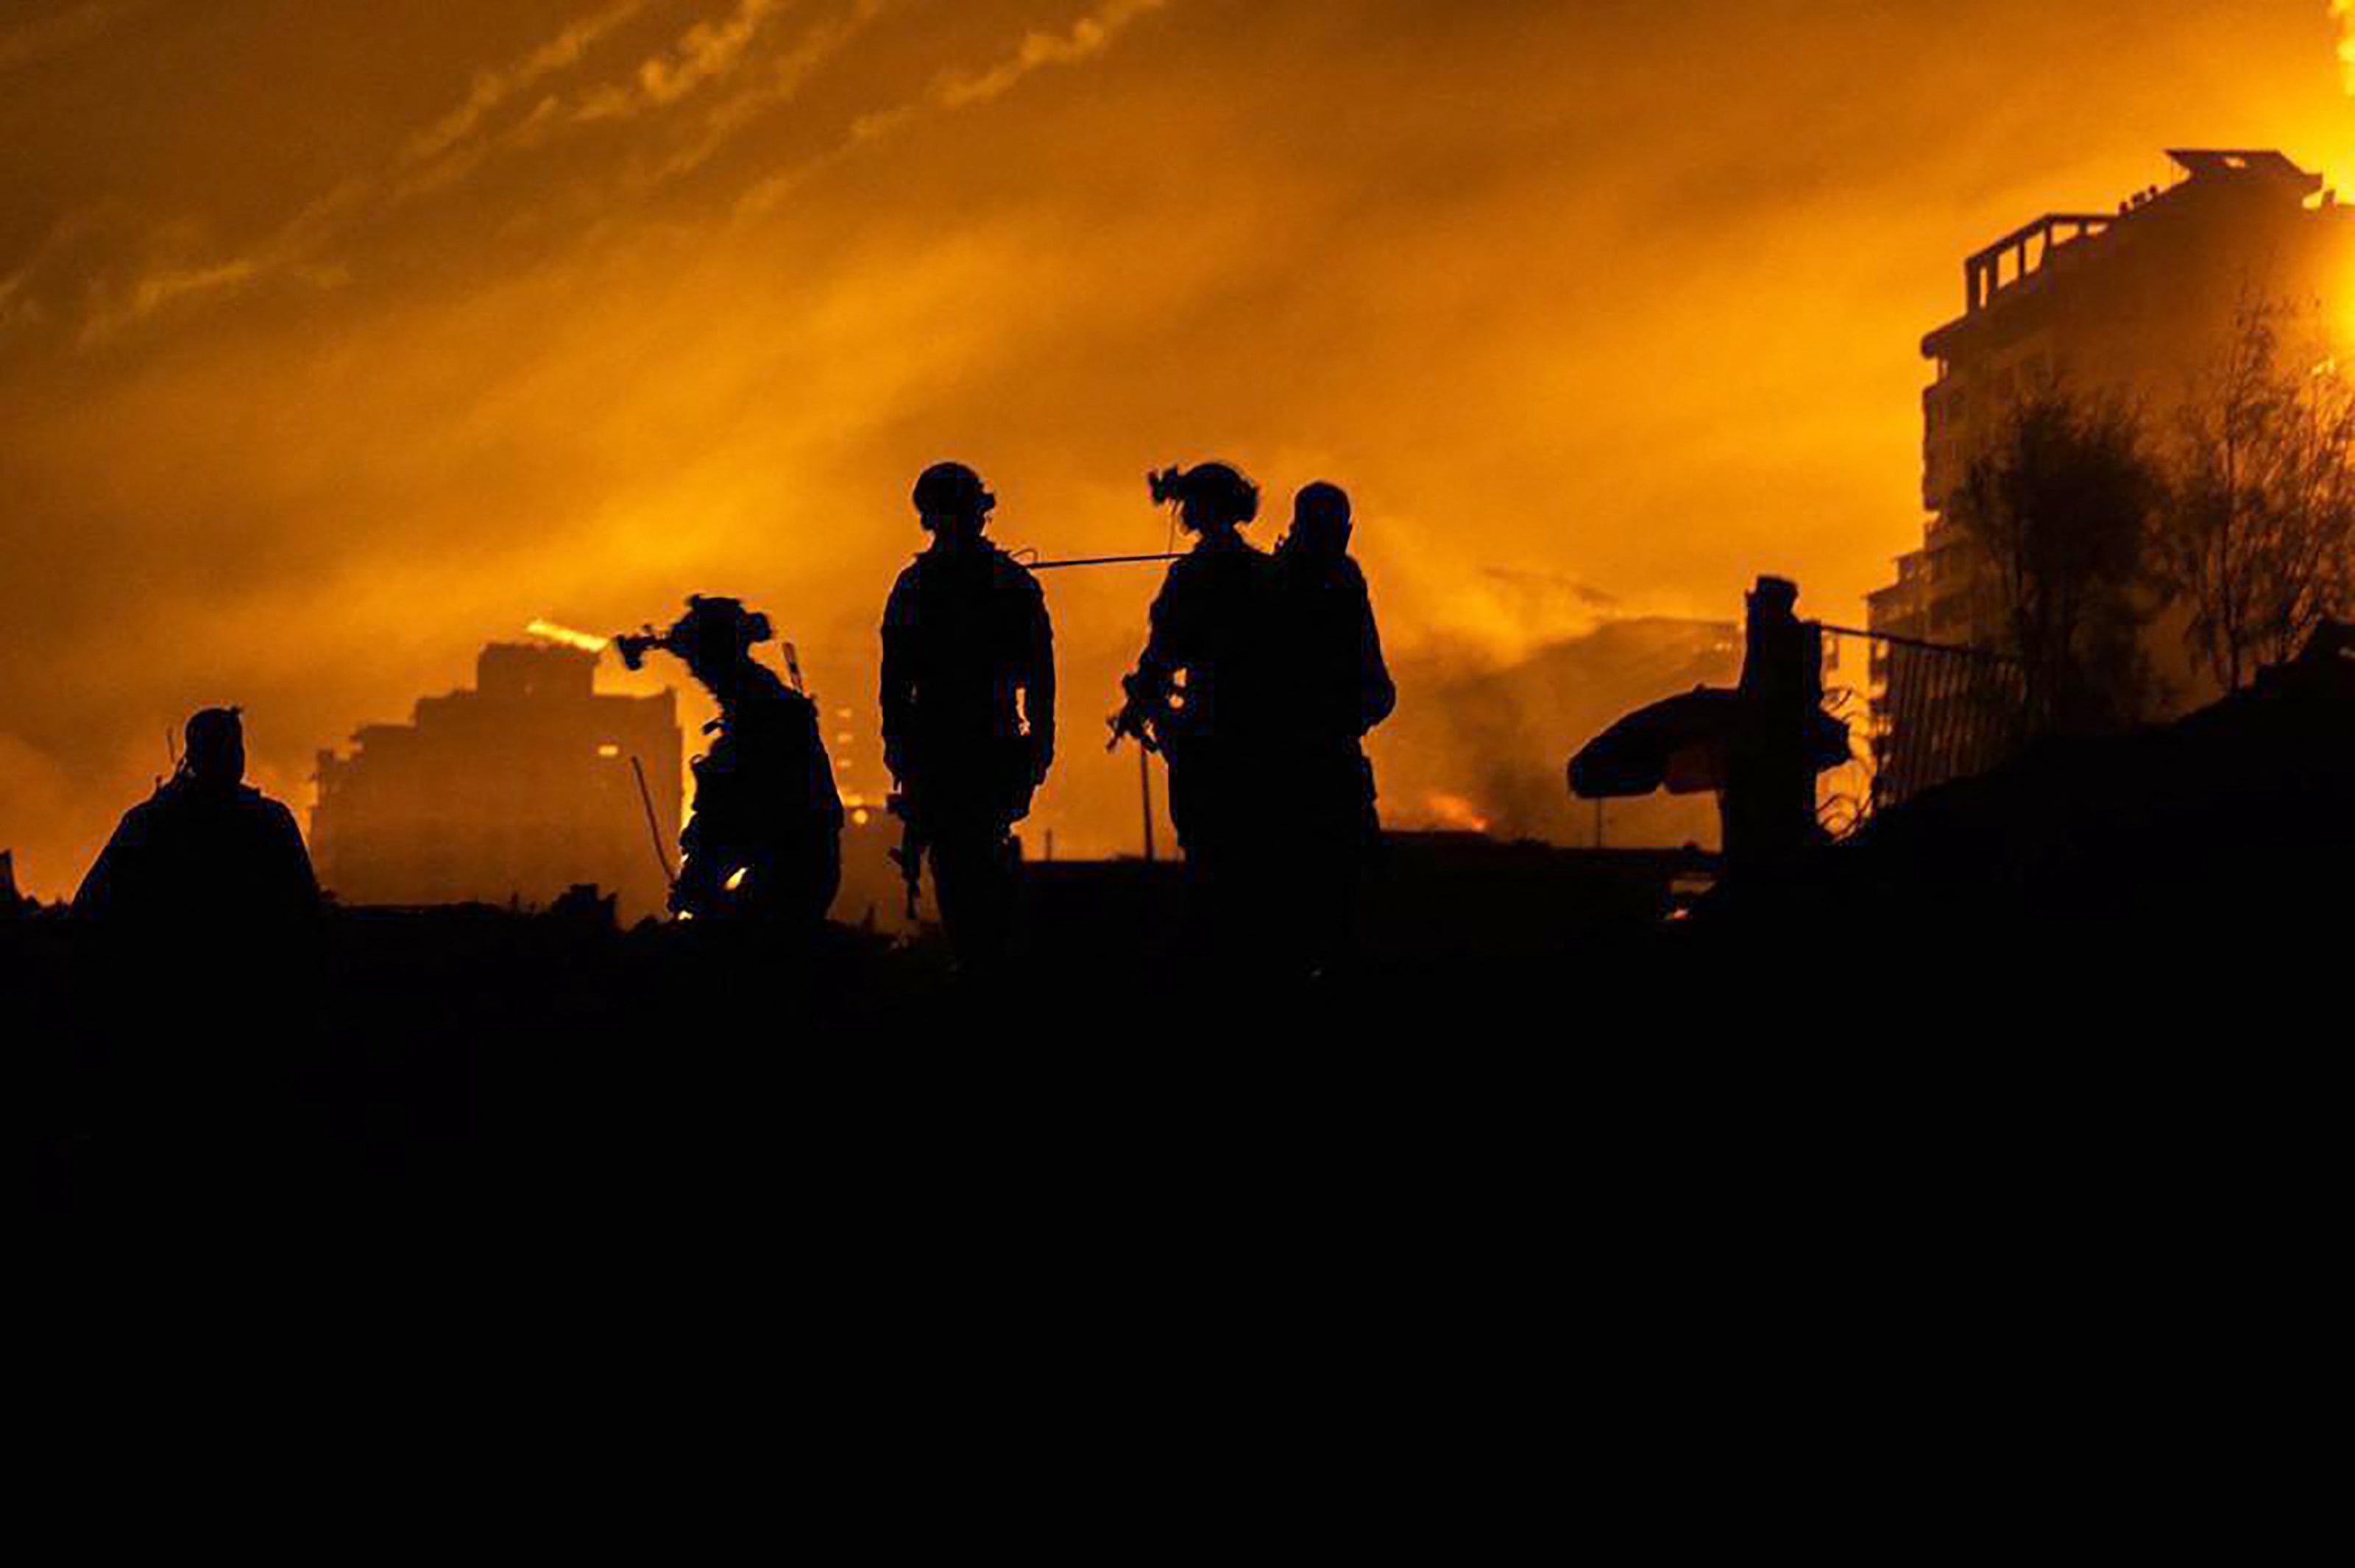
(1454, 813)
(565, 636)
(499, 317)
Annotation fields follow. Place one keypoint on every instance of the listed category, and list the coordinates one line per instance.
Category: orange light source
(1456, 812)
(548, 631)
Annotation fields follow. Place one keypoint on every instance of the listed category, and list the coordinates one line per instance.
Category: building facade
(511, 792)
(2137, 303)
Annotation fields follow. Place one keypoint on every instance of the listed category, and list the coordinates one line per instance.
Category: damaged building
(2136, 301)
(511, 792)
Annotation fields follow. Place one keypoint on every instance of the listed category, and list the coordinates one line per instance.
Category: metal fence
(1939, 712)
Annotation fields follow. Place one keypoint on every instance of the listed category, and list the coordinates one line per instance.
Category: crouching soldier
(765, 842)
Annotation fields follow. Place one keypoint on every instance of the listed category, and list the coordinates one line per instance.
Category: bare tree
(2259, 541)
(2061, 503)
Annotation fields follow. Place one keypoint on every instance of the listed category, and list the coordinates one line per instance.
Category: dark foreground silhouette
(2015, 1107)
(450, 1065)
(207, 857)
(1259, 678)
(968, 703)
(1200, 696)
(1544, 1144)
(1336, 688)
(764, 846)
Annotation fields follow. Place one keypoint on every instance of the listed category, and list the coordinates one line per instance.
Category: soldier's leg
(972, 878)
(795, 880)
(824, 879)
(1350, 831)
(1199, 845)
(1229, 856)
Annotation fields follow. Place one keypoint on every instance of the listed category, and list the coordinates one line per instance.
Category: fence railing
(1941, 711)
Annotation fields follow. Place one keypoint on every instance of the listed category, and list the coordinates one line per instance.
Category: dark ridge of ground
(1999, 1150)
(449, 1060)
(1545, 1175)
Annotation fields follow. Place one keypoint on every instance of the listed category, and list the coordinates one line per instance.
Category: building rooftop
(2022, 255)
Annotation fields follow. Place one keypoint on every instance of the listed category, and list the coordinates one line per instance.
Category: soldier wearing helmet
(968, 698)
(1199, 691)
(765, 842)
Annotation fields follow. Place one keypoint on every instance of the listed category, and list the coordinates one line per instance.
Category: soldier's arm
(1378, 694)
(296, 882)
(1038, 683)
(95, 899)
(899, 689)
(1148, 687)
(1156, 667)
(698, 886)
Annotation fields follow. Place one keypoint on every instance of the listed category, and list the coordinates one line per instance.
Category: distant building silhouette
(516, 790)
(2134, 302)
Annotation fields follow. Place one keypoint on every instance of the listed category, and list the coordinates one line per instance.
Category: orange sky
(336, 340)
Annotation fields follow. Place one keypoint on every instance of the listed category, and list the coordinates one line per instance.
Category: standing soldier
(968, 709)
(1198, 694)
(1780, 740)
(765, 842)
(1337, 688)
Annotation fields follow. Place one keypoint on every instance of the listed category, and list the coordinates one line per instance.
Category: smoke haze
(335, 341)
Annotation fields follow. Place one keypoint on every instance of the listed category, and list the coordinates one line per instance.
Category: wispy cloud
(437, 156)
(493, 88)
(779, 83)
(490, 122)
(1089, 36)
(704, 53)
(16, 304)
(955, 91)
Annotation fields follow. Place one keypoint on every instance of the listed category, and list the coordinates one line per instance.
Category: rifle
(910, 856)
(1139, 721)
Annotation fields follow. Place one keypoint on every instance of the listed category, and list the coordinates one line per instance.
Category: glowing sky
(337, 339)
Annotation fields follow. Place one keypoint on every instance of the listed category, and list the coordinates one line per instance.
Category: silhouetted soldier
(1336, 687)
(968, 709)
(1768, 809)
(766, 839)
(206, 858)
(1209, 627)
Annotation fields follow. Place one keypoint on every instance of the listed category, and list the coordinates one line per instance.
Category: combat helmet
(950, 490)
(1219, 487)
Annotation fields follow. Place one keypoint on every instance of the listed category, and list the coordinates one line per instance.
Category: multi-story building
(512, 792)
(2137, 303)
